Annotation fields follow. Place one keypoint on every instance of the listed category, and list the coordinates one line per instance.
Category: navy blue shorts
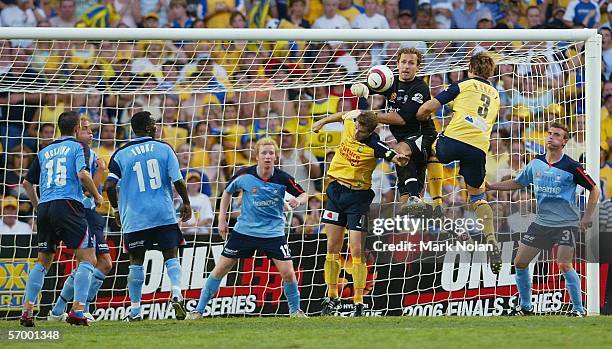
(244, 246)
(347, 207)
(545, 238)
(62, 220)
(471, 159)
(96, 224)
(159, 238)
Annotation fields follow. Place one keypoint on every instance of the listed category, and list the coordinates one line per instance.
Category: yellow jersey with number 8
(475, 108)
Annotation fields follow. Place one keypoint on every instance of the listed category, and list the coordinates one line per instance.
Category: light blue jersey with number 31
(146, 170)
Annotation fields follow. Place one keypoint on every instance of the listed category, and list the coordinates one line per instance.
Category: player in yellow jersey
(466, 139)
(349, 197)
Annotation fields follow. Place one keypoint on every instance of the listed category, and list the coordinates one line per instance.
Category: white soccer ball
(380, 78)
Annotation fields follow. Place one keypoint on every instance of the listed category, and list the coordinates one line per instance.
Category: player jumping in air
(415, 137)
(61, 171)
(349, 198)
(554, 176)
(96, 224)
(260, 226)
(466, 139)
(146, 169)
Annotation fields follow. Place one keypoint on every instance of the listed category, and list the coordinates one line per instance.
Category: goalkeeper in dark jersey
(414, 137)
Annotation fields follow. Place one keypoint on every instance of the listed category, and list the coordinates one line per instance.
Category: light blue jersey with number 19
(146, 170)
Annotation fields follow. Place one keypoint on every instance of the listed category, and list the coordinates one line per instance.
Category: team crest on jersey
(418, 98)
(360, 149)
(393, 97)
(558, 178)
(254, 190)
(538, 174)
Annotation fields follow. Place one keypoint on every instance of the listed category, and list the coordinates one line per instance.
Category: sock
(360, 274)
(572, 284)
(293, 296)
(332, 271)
(82, 280)
(174, 272)
(65, 296)
(36, 277)
(435, 174)
(523, 283)
(411, 183)
(485, 214)
(209, 290)
(135, 281)
(96, 282)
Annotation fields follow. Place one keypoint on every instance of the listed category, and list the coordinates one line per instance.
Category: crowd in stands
(212, 131)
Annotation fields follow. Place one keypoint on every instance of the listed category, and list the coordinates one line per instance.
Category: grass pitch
(316, 332)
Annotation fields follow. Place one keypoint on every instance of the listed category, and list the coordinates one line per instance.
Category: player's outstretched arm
(185, 209)
(336, 117)
(226, 197)
(89, 184)
(98, 177)
(509, 184)
(428, 108)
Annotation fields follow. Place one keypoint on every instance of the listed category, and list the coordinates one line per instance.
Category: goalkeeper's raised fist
(360, 90)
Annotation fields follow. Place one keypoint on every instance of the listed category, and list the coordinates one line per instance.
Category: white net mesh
(215, 98)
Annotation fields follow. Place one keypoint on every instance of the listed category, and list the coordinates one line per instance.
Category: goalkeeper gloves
(353, 114)
(360, 90)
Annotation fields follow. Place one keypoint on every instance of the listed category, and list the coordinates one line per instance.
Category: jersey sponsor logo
(547, 189)
(330, 215)
(418, 97)
(266, 203)
(254, 190)
(538, 174)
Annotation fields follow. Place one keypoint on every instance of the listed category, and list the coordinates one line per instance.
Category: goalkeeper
(414, 137)
(349, 198)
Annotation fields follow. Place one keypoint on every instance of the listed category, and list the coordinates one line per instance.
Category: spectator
(370, 19)
(66, 15)
(298, 162)
(159, 7)
(605, 172)
(10, 223)
(217, 14)
(82, 6)
(512, 18)
(534, 17)
(331, 19)
(348, 10)
(129, 10)
(424, 19)
(442, 13)
(606, 54)
(41, 136)
(392, 9)
(584, 12)
(16, 109)
(203, 215)
(576, 146)
(151, 20)
(297, 12)
(178, 15)
(173, 132)
(523, 211)
(467, 17)
(102, 15)
(404, 20)
(498, 159)
(18, 160)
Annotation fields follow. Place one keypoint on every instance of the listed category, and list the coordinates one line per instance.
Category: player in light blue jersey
(261, 224)
(146, 169)
(96, 224)
(60, 169)
(554, 177)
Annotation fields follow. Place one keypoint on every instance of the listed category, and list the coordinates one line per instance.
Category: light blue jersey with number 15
(146, 170)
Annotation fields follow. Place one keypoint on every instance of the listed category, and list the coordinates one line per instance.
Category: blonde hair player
(260, 226)
(349, 198)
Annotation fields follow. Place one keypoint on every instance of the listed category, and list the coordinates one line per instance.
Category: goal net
(215, 93)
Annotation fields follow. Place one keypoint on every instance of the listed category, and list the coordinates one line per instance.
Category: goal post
(264, 82)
